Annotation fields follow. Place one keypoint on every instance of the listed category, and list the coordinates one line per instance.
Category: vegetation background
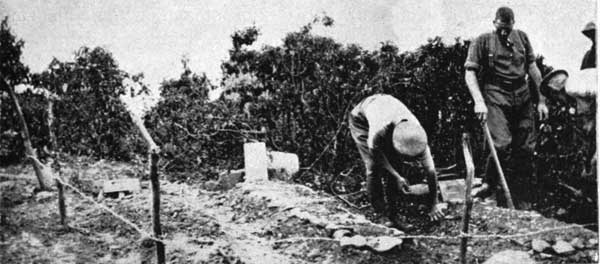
(297, 93)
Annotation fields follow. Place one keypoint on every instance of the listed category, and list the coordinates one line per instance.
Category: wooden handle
(503, 183)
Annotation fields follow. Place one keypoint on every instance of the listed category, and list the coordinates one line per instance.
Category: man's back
(381, 109)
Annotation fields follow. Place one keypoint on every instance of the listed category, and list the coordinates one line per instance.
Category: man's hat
(505, 15)
(554, 80)
(589, 29)
(409, 139)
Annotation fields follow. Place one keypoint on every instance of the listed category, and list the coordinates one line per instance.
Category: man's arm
(473, 85)
(380, 158)
(375, 142)
(536, 76)
(476, 55)
(432, 182)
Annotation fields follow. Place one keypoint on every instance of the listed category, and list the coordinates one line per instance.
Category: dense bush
(197, 138)
(14, 72)
(312, 82)
(295, 97)
(89, 117)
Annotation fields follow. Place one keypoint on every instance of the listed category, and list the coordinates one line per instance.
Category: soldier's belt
(510, 85)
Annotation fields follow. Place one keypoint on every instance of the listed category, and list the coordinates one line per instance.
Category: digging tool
(503, 183)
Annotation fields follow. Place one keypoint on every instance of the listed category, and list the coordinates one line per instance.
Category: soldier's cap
(554, 80)
(589, 29)
(505, 15)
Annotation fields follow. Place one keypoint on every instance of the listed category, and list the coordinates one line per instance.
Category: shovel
(507, 195)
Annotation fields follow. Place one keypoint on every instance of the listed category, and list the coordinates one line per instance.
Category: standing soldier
(589, 59)
(501, 60)
(386, 134)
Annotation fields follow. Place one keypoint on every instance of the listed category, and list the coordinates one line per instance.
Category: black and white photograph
(298, 131)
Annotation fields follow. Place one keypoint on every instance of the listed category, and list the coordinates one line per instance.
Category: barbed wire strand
(115, 214)
(461, 235)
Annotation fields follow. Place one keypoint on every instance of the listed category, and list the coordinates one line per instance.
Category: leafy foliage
(197, 137)
(90, 119)
(14, 72)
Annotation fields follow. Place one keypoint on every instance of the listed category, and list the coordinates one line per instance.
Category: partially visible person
(581, 88)
(498, 68)
(589, 59)
(386, 134)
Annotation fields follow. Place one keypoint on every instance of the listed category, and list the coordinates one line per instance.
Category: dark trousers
(380, 183)
(511, 122)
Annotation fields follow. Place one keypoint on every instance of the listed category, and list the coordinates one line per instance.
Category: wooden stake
(42, 179)
(160, 247)
(153, 152)
(468, 199)
(488, 136)
(61, 203)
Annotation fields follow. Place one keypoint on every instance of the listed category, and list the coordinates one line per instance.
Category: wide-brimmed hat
(554, 80)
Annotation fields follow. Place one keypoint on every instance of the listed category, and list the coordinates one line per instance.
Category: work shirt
(378, 114)
(509, 63)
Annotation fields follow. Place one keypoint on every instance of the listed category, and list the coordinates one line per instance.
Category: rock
(545, 256)
(452, 190)
(282, 165)
(383, 243)
(539, 245)
(43, 197)
(593, 242)
(338, 234)
(419, 189)
(210, 185)
(577, 243)
(510, 257)
(561, 212)
(228, 179)
(563, 248)
(355, 241)
(121, 185)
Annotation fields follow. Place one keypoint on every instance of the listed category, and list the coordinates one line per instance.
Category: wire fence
(145, 234)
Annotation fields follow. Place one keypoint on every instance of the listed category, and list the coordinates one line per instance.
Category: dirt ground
(275, 222)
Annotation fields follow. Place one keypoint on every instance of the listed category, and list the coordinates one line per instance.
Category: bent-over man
(386, 132)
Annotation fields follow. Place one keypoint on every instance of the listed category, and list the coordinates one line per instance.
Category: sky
(153, 36)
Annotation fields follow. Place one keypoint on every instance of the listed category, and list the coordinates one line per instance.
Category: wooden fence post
(61, 203)
(62, 209)
(153, 152)
(468, 199)
(160, 247)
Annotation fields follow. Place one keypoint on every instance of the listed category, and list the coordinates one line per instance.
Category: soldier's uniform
(502, 70)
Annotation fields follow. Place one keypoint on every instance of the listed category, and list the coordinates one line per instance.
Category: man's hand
(542, 110)
(402, 184)
(436, 212)
(481, 111)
